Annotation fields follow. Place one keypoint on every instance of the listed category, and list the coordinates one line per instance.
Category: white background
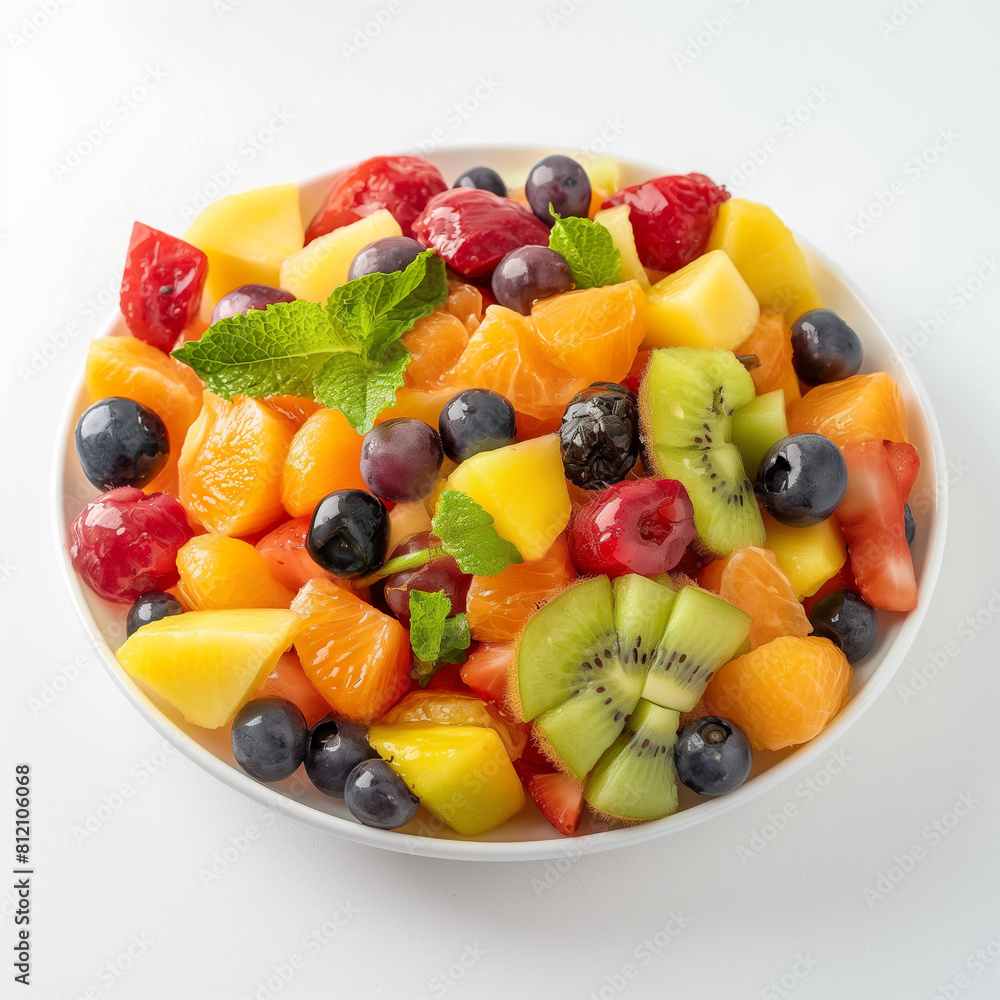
(126, 911)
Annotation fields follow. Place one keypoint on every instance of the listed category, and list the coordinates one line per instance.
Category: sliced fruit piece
(616, 221)
(605, 173)
(461, 774)
(499, 606)
(297, 409)
(465, 303)
(246, 237)
(230, 466)
(859, 408)
(642, 610)
(219, 572)
(284, 548)
(765, 253)
(871, 515)
(784, 693)
(705, 304)
(320, 266)
(807, 556)
(488, 670)
(843, 579)
(208, 663)
(771, 342)
(357, 657)
(703, 632)
(425, 406)
(905, 464)
(635, 779)
(435, 343)
(559, 798)
(406, 519)
(532, 519)
(288, 680)
(757, 426)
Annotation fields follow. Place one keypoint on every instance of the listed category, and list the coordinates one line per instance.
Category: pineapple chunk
(523, 487)
(807, 556)
(604, 174)
(317, 269)
(246, 237)
(616, 221)
(765, 253)
(705, 304)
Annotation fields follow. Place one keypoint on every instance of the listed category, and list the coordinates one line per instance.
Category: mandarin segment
(219, 572)
(859, 408)
(465, 302)
(435, 343)
(771, 341)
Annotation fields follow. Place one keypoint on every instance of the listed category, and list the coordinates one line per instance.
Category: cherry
(638, 526)
(124, 543)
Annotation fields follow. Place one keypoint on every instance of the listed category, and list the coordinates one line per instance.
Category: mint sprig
(437, 637)
(345, 352)
(467, 534)
(589, 250)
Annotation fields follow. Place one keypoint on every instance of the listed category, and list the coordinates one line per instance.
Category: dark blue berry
(560, 182)
(475, 420)
(801, 479)
(378, 797)
(824, 348)
(151, 608)
(120, 443)
(269, 738)
(384, 256)
(713, 756)
(909, 525)
(335, 749)
(846, 619)
(349, 533)
(599, 436)
(530, 273)
(484, 178)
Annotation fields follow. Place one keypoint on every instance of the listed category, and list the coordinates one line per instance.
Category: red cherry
(638, 526)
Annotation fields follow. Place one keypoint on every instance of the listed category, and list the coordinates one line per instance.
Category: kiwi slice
(635, 778)
(687, 401)
(642, 609)
(757, 425)
(703, 633)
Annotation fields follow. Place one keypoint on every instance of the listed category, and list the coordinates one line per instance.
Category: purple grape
(439, 574)
(391, 253)
(241, 300)
(401, 459)
(561, 182)
(530, 273)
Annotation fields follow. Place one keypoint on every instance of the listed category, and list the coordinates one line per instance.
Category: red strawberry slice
(871, 515)
(559, 799)
(905, 464)
(487, 669)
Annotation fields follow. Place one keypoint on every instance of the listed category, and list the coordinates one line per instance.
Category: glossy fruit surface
(475, 420)
(640, 526)
(905, 464)
(435, 343)
(713, 756)
(162, 286)
(771, 342)
(561, 182)
(357, 657)
(599, 436)
(401, 184)
(671, 217)
(349, 533)
(289, 561)
(384, 256)
(859, 408)
(530, 273)
(288, 680)
(124, 543)
(401, 459)
(807, 556)
(499, 606)
(336, 747)
(151, 607)
(784, 693)
(801, 479)
(472, 229)
(559, 798)
(377, 797)
(120, 442)
(441, 573)
(269, 738)
(847, 619)
(242, 300)
(465, 303)
(218, 572)
(488, 669)
(825, 348)
(484, 178)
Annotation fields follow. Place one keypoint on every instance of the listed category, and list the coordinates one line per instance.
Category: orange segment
(594, 332)
(783, 693)
(465, 302)
(357, 657)
(288, 680)
(859, 408)
(498, 606)
(218, 572)
(436, 343)
(771, 341)
(230, 465)
(296, 408)
(324, 456)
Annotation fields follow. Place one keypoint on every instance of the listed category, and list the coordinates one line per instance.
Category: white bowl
(528, 836)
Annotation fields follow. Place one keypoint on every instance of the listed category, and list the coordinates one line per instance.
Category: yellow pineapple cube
(616, 221)
(807, 556)
(604, 174)
(705, 304)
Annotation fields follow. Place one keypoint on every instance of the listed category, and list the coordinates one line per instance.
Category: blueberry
(377, 796)
(120, 443)
(484, 178)
(391, 253)
(151, 608)
(824, 348)
(848, 620)
(269, 738)
(475, 420)
(909, 525)
(801, 479)
(713, 756)
(599, 436)
(561, 182)
(530, 273)
(335, 749)
(349, 533)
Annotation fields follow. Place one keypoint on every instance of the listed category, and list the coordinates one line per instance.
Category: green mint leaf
(467, 533)
(428, 613)
(589, 250)
(360, 388)
(455, 640)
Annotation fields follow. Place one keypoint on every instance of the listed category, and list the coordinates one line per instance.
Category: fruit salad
(462, 498)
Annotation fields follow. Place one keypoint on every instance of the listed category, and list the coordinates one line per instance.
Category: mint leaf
(436, 636)
(589, 250)
(467, 533)
(361, 389)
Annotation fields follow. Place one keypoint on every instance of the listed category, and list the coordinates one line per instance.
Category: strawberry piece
(402, 184)
(488, 668)
(448, 678)
(905, 464)
(871, 515)
(559, 798)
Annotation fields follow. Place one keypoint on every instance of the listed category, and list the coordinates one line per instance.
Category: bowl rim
(531, 850)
